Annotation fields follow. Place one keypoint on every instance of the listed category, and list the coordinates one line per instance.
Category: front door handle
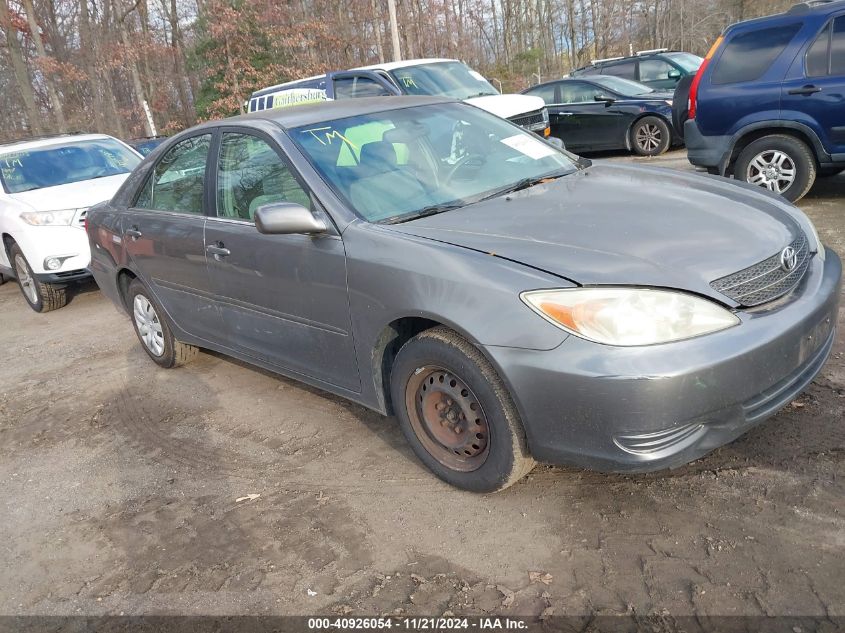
(134, 233)
(806, 91)
(217, 250)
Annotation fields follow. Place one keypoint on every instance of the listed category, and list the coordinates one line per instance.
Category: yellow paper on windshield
(531, 147)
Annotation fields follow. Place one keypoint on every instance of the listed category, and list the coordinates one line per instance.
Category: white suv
(47, 186)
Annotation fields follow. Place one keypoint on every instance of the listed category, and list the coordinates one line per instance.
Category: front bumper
(706, 151)
(647, 408)
(69, 243)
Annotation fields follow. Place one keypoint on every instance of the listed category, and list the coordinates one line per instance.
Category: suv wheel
(650, 136)
(457, 414)
(780, 163)
(41, 297)
(153, 331)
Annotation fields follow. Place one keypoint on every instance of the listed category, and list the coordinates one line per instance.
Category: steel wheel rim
(149, 326)
(447, 418)
(25, 279)
(649, 137)
(773, 170)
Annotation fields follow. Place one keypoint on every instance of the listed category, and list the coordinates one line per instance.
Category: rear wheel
(650, 136)
(457, 414)
(782, 164)
(41, 297)
(153, 330)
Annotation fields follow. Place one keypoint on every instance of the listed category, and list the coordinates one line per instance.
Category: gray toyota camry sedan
(505, 300)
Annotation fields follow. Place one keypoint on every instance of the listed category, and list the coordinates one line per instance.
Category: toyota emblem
(788, 259)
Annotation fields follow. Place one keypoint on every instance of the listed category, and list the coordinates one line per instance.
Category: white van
(438, 77)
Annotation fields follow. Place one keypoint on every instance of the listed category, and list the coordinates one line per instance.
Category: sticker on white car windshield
(531, 147)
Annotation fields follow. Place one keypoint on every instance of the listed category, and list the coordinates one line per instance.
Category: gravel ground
(120, 485)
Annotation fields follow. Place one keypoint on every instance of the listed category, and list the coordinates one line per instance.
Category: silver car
(506, 300)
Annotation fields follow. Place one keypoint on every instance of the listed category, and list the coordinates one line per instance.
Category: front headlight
(629, 316)
(49, 218)
(819, 246)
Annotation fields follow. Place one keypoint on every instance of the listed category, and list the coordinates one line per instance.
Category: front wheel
(153, 330)
(41, 297)
(650, 136)
(782, 164)
(457, 414)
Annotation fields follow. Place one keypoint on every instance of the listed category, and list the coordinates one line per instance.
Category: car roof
(386, 66)
(49, 141)
(313, 113)
(405, 63)
(820, 8)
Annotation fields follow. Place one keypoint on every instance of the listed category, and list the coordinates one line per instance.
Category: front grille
(765, 281)
(531, 121)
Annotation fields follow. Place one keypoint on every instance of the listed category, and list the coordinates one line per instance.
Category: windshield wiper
(525, 183)
(434, 209)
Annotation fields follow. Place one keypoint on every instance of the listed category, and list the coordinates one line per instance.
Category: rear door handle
(134, 233)
(806, 90)
(217, 250)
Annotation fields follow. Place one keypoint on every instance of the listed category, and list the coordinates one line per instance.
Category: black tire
(505, 457)
(829, 172)
(39, 296)
(797, 153)
(650, 136)
(173, 353)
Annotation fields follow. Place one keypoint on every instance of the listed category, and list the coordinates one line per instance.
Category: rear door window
(749, 55)
(837, 47)
(625, 69)
(818, 57)
(546, 93)
(178, 181)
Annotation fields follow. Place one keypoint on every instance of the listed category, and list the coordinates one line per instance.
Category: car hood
(74, 195)
(620, 225)
(506, 106)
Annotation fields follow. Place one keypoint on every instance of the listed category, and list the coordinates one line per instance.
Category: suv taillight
(693, 89)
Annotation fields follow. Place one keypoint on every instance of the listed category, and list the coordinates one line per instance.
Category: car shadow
(80, 288)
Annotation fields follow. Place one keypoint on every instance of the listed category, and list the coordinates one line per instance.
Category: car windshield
(687, 61)
(38, 168)
(396, 165)
(447, 79)
(625, 87)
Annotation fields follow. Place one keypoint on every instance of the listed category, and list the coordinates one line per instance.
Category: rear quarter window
(749, 55)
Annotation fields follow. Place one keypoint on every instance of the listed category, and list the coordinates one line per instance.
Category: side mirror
(675, 74)
(607, 100)
(286, 218)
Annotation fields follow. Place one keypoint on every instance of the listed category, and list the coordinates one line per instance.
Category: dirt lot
(120, 483)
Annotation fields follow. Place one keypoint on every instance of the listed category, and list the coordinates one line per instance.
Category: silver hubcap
(649, 137)
(149, 327)
(25, 279)
(773, 170)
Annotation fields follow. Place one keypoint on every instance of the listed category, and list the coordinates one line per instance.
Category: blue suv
(768, 104)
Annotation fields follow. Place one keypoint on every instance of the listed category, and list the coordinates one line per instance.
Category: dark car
(660, 69)
(505, 299)
(145, 146)
(768, 105)
(603, 112)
